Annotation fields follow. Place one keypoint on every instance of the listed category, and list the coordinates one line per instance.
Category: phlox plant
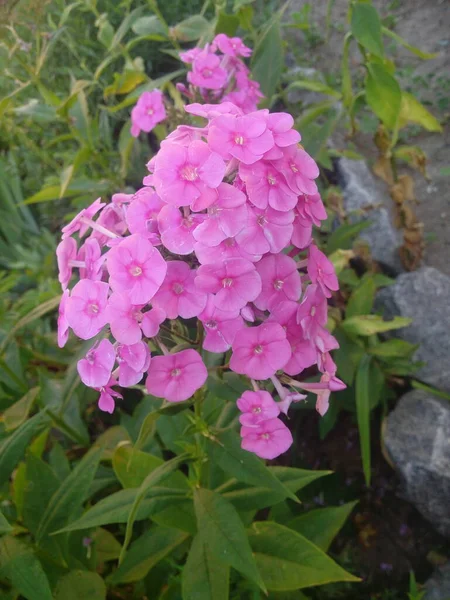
(221, 232)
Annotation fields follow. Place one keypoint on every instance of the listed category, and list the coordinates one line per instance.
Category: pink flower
(91, 255)
(259, 352)
(209, 111)
(176, 377)
(151, 321)
(148, 112)
(80, 221)
(178, 295)
(137, 268)
(257, 407)
(86, 308)
(95, 368)
(302, 232)
(270, 439)
(220, 327)
(232, 46)
(266, 185)
(300, 170)
(106, 401)
(281, 126)
(304, 353)
(63, 323)
(190, 55)
(321, 271)
(229, 248)
(177, 230)
(207, 72)
(226, 216)
(66, 252)
(280, 281)
(143, 212)
(267, 230)
(323, 401)
(133, 361)
(234, 283)
(312, 208)
(187, 173)
(246, 138)
(312, 311)
(124, 318)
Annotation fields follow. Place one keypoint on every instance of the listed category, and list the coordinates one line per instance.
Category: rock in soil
(438, 586)
(417, 439)
(423, 295)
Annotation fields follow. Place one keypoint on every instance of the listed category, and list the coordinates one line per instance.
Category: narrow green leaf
(70, 495)
(268, 58)
(245, 466)
(18, 412)
(41, 484)
(80, 585)
(157, 476)
(314, 86)
(419, 385)
(69, 172)
(366, 27)
(125, 26)
(322, 525)
(288, 561)
(366, 325)
(393, 349)
(383, 95)
(363, 393)
(204, 578)
(19, 564)
(408, 46)
(5, 527)
(344, 236)
(361, 299)
(146, 552)
(14, 446)
(221, 530)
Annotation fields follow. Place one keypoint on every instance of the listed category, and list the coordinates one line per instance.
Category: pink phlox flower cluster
(148, 112)
(221, 231)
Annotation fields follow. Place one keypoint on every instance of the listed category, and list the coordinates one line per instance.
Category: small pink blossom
(246, 138)
(106, 401)
(266, 185)
(229, 248)
(259, 352)
(312, 311)
(136, 267)
(207, 72)
(178, 294)
(124, 318)
(281, 125)
(177, 229)
(270, 439)
(151, 320)
(220, 327)
(190, 55)
(175, 377)
(86, 308)
(256, 407)
(303, 351)
(187, 173)
(232, 46)
(280, 281)
(66, 252)
(266, 230)
(311, 207)
(300, 170)
(321, 271)
(234, 283)
(78, 223)
(96, 367)
(142, 214)
(91, 255)
(148, 112)
(302, 231)
(209, 111)
(226, 217)
(63, 323)
(133, 361)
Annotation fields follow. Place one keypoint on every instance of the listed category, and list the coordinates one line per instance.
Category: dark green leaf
(366, 27)
(344, 236)
(5, 527)
(41, 485)
(227, 24)
(222, 532)
(363, 393)
(361, 300)
(18, 412)
(268, 58)
(80, 585)
(203, 577)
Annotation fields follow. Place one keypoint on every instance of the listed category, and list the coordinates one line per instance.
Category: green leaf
(314, 86)
(80, 585)
(227, 24)
(149, 26)
(383, 95)
(106, 546)
(410, 47)
(412, 111)
(126, 143)
(157, 476)
(19, 564)
(41, 484)
(70, 495)
(322, 525)
(18, 412)
(125, 26)
(5, 527)
(180, 516)
(419, 385)
(222, 532)
(361, 299)
(366, 27)
(393, 349)
(147, 430)
(245, 466)
(204, 578)
(81, 157)
(14, 446)
(366, 325)
(363, 393)
(124, 83)
(146, 552)
(288, 561)
(344, 236)
(192, 28)
(268, 58)
(347, 90)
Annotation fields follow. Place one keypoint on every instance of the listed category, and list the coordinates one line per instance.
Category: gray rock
(423, 295)
(417, 438)
(366, 197)
(438, 586)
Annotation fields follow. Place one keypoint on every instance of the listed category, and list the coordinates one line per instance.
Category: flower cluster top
(221, 231)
